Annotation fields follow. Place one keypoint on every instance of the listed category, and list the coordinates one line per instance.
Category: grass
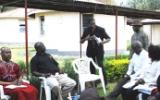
(108, 90)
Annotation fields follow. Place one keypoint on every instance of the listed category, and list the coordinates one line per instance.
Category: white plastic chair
(140, 96)
(47, 90)
(82, 67)
(3, 96)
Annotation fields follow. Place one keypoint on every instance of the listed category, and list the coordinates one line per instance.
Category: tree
(144, 4)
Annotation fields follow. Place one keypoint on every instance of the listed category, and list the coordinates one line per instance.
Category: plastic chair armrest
(1, 91)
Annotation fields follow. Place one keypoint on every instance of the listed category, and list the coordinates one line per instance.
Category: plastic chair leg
(40, 94)
(103, 85)
(140, 96)
(47, 92)
(69, 96)
(82, 86)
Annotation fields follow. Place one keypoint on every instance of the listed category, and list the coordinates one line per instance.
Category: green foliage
(21, 64)
(69, 69)
(115, 68)
(119, 57)
(144, 4)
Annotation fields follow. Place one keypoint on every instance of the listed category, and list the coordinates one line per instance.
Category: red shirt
(9, 71)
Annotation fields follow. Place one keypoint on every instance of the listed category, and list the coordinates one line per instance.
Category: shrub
(119, 57)
(115, 68)
(21, 64)
(69, 69)
(23, 68)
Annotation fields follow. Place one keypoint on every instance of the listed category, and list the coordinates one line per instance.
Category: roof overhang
(83, 7)
(150, 21)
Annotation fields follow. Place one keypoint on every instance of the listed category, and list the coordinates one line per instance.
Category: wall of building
(9, 31)
(62, 31)
(156, 34)
(108, 22)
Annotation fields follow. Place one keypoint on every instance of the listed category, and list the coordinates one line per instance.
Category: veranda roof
(83, 7)
(19, 13)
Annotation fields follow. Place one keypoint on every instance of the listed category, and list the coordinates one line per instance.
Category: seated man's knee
(52, 82)
(74, 83)
(56, 88)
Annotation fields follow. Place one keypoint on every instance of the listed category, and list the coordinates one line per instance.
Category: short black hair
(154, 52)
(3, 48)
(38, 44)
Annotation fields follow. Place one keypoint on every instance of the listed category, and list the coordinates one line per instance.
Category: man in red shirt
(10, 74)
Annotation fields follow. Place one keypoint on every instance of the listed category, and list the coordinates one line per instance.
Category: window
(86, 18)
(21, 26)
(42, 19)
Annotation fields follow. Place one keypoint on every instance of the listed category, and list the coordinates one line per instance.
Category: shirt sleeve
(54, 61)
(33, 65)
(104, 34)
(56, 64)
(18, 71)
(157, 73)
(130, 67)
(85, 33)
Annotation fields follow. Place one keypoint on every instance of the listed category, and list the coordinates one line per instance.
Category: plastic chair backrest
(82, 65)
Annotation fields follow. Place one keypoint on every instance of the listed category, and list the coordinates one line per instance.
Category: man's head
(136, 25)
(154, 52)
(5, 53)
(136, 28)
(40, 48)
(92, 22)
(137, 47)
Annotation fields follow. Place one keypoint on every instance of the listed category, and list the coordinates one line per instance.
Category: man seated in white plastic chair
(11, 79)
(43, 64)
(139, 59)
(147, 77)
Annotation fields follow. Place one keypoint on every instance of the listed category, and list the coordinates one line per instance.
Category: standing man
(139, 35)
(43, 64)
(96, 37)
